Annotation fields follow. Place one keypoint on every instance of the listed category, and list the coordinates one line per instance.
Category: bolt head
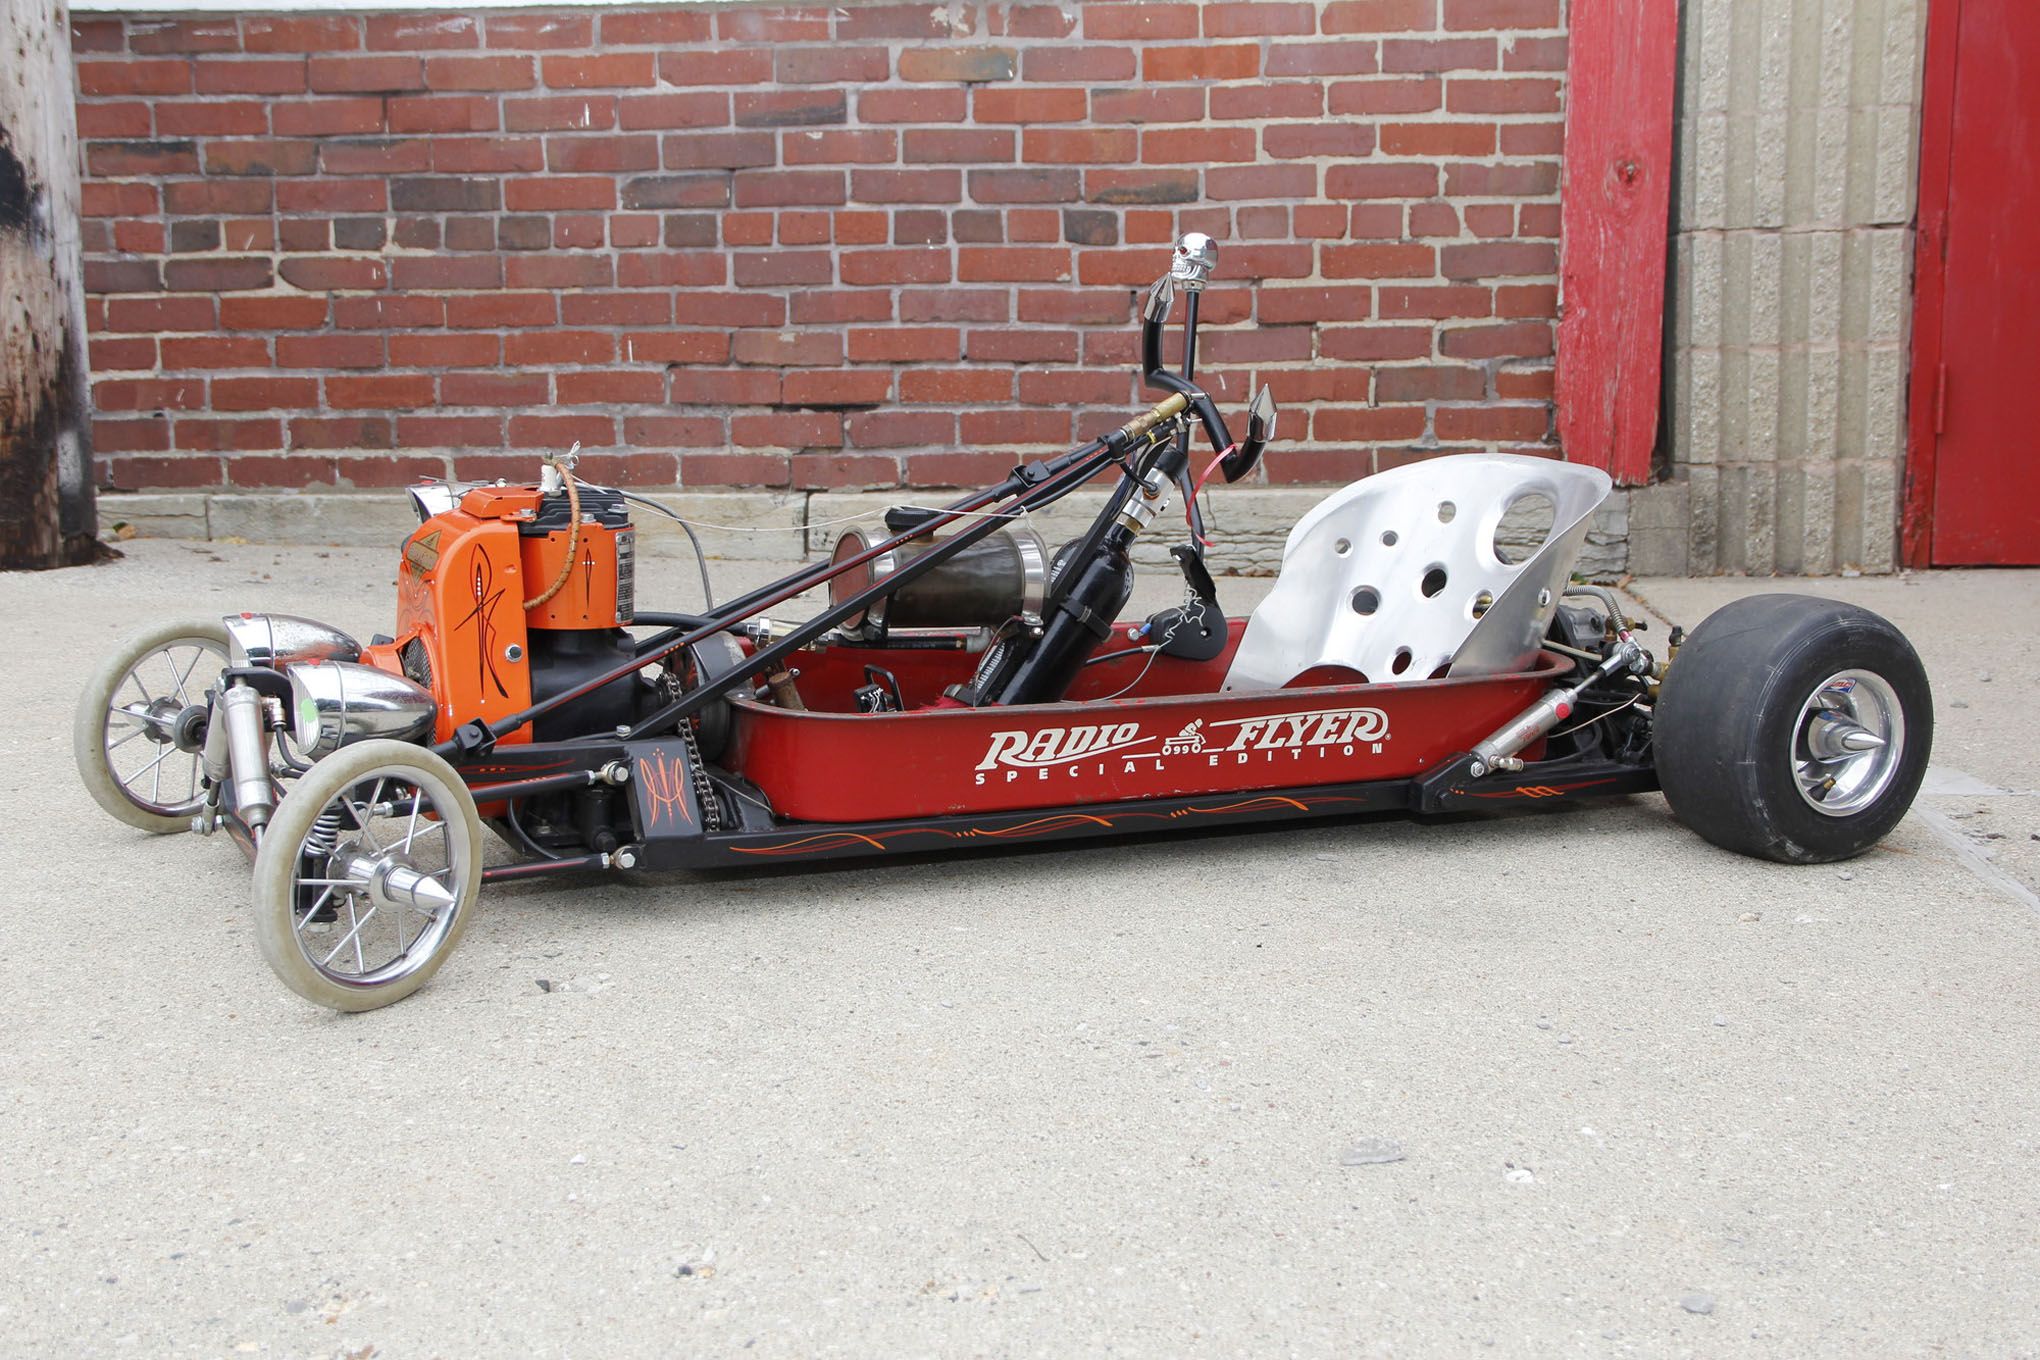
(625, 859)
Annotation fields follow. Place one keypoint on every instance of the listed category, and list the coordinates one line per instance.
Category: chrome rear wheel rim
(1847, 743)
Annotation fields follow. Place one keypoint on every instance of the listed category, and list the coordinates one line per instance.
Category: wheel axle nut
(625, 858)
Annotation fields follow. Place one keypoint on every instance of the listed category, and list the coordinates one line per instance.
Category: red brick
(270, 314)
(752, 270)
(881, 267)
(115, 160)
(1464, 95)
(263, 394)
(330, 34)
(843, 471)
(499, 311)
(1235, 20)
(556, 192)
(1239, 61)
(641, 387)
(419, 32)
(1502, 14)
(1374, 343)
(1524, 383)
(735, 469)
(697, 432)
(558, 432)
(276, 76)
(953, 145)
(150, 37)
(379, 157)
(789, 188)
(1378, 261)
(659, 28)
(157, 315)
(1010, 264)
(1512, 340)
(147, 434)
(482, 73)
(388, 471)
(1348, 58)
(1533, 139)
(525, 348)
(1381, 16)
(126, 120)
(214, 275)
(1081, 63)
(1295, 99)
(614, 309)
(1534, 54)
(330, 351)
(901, 429)
(789, 108)
(715, 68)
(865, 146)
(212, 118)
(861, 23)
(231, 435)
(382, 392)
(326, 117)
(1499, 259)
(725, 387)
(1401, 302)
(718, 150)
(913, 106)
(906, 186)
(110, 35)
(958, 65)
(388, 312)
(1136, 186)
(283, 472)
(1291, 141)
(772, 24)
(133, 77)
(904, 345)
(1283, 306)
(1175, 104)
(341, 432)
(677, 347)
(445, 351)
(608, 70)
(1031, 104)
(1441, 54)
(782, 348)
(1491, 422)
(148, 394)
(1195, 146)
(1381, 181)
(1527, 300)
(182, 471)
(443, 113)
(691, 109)
(538, 31)
(1502, 181)
(787, 430)
(951, 386)
(856, 387)
(1086, 146)
(671, 269)
(1010, 345)
(830, 65)
(323, 195)
(349, 75)
(1367, 423)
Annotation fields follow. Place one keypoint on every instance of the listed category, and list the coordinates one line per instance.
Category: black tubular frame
(1030, 486)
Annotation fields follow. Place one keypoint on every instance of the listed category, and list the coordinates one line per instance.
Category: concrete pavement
(1650, 1098)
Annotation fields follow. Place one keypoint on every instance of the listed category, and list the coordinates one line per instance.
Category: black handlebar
(1236, 460)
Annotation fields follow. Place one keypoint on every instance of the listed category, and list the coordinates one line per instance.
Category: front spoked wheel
(136, 731)
(367, 875)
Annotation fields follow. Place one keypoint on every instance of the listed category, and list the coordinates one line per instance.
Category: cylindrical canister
(1003, 574)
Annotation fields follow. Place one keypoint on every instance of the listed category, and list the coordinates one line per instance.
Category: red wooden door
(1980, 195)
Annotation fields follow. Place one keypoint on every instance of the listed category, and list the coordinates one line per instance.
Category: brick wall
(827, 247)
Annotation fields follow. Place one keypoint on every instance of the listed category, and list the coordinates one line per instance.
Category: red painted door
(1986, 455)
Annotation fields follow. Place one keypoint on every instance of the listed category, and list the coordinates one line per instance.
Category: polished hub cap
(1847, 743)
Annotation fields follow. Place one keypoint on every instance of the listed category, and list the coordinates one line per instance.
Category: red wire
(1198, 490)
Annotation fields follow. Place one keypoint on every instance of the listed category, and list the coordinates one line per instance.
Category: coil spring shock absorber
(324, 837)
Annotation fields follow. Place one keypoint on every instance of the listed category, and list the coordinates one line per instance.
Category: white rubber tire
(277, 858)
(88, 724)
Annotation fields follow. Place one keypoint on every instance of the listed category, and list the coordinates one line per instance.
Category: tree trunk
(47, 516)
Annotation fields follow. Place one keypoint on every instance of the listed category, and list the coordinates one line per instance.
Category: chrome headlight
(333, 703)
(279, 639)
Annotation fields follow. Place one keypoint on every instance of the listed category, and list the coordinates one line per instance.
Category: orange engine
(472, 626)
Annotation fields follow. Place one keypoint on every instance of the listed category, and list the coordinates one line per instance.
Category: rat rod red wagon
(966, 686)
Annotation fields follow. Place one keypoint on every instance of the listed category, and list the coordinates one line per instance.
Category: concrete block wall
(805, 248)
(1790, 291)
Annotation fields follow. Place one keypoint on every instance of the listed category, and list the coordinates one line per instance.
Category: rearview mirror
(1160, 298)
(1261, 415)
